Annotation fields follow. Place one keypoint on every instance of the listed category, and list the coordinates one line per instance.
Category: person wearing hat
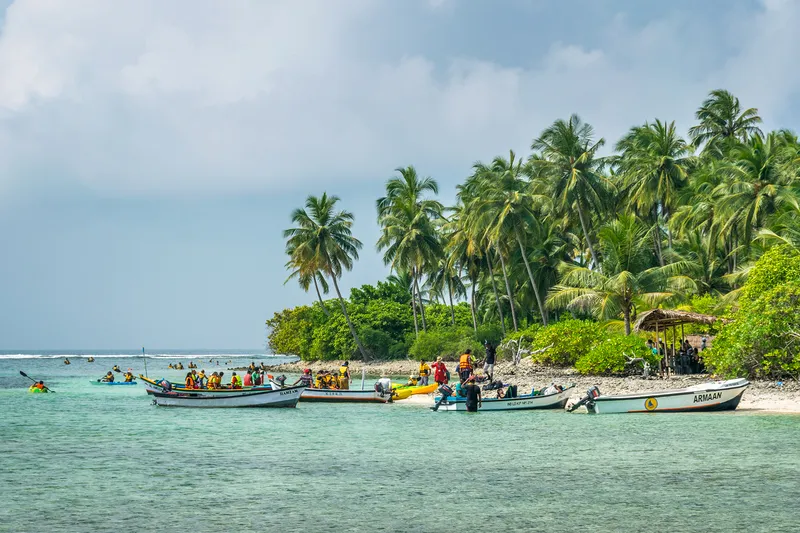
(306, 379)
(439, 372)
(412, 381)
(472, 392)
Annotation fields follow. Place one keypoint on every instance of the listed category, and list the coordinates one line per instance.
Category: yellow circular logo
(650, 404)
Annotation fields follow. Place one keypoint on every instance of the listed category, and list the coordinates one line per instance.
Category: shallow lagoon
(104, 458)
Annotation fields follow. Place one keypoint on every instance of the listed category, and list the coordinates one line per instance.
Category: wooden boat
(152, 386)
(287, 397)
(345, 395)
(554, 400)
(713, 396)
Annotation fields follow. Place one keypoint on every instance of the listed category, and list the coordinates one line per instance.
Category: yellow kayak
(401, 392)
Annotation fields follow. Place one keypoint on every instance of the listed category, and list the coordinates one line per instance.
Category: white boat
(287, 397)
(345, 395)
(713, 396)
(555, 400)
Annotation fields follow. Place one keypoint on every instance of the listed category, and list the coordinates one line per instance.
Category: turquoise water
(104, 459)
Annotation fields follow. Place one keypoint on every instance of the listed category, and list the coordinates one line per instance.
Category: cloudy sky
(151, 151)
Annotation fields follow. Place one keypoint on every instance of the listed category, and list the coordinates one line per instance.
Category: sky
(151, 152)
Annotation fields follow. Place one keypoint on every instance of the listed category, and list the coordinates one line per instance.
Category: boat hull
(720, 396)
(253, 398)
(521, 403)
(344, 395)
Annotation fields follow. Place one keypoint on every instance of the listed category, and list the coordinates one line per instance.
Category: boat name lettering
(707, 397)
(286, 392)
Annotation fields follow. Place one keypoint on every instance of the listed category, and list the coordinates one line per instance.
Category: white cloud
(151, 97)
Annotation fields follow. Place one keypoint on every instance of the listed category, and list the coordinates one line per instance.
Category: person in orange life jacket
(189, 382)
(465, 365)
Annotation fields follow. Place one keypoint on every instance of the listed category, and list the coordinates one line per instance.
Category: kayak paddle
(21, 373)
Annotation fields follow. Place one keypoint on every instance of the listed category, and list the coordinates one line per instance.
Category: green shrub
(779, 265)
(567, 341)
(447, 343)
(376, 342)
(608, 355)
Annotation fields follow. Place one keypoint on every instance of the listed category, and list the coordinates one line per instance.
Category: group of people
(325, 379)
(109, 377)
(685, 360)
(468, 375)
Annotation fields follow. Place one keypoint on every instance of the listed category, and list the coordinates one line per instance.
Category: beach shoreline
(761, 397)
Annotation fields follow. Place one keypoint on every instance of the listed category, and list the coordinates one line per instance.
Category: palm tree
(408, 228)
(653, 165)
(505, 206)
(462, 249)
(569, 163)
(305, 274)
(324, 237)
(722, 122)
(626, 276)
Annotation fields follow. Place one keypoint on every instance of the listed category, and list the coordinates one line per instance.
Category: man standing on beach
(473, 395)
(491, 356)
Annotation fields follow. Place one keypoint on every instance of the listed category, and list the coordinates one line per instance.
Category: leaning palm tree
(570, 165)
(723, 123)
(324, 236)
(306, 273)
(626, 278)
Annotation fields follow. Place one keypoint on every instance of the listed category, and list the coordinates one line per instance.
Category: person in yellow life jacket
(212, 380)
(236, 381)
(318, 383)
(412, 381)
(465, 365)
(108, 377)
(189, 382)
(128, 376)
(202, 380)
(344, 375)
(424, 372)
(331, 381)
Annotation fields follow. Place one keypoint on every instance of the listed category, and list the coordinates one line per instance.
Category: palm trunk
(452, 309)
(472, 306)
(361, 349)
(626, 313)
(421, 305)
(496, 296)
(657, 243)
(542, 310)
(508, 290)
(585, 228)
(324, 309)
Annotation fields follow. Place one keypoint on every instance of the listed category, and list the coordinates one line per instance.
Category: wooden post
(673, 343)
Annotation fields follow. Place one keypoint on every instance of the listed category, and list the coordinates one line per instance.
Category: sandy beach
(761, 396)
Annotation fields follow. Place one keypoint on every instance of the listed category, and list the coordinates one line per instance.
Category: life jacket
(464, 362)
(189, 382)
(128, 377)
(343, 370)
(424, 370)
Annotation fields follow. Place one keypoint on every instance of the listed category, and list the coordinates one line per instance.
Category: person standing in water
(473, 395)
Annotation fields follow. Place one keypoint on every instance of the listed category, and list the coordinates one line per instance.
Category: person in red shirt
(439, 372)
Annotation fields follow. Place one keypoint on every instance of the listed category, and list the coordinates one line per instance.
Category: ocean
(105, 459)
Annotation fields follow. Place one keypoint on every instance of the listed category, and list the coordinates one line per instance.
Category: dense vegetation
(665, 220)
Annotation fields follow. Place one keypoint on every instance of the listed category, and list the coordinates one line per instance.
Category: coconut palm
(723, 123)
(570, 165)
(654, 166)
(306, 273)
(626, 277)
(409, 234)
(323, 236)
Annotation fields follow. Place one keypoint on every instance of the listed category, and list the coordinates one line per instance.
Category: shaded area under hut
(679, 356)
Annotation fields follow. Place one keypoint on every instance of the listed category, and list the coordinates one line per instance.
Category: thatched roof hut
(661, 319)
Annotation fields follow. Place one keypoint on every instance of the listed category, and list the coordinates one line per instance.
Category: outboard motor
(446, 391)
(587, 400)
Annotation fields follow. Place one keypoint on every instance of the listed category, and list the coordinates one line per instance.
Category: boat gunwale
(668, 392)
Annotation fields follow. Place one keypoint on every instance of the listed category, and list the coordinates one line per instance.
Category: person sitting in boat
(344, 375)
(236, 381)
(116, 368)
(306, 380)
(248, 379)
(170, 366)
(424, 372)
(180, 366)
(212, 381)
(258, 378)
(252, 367)
(192, 365)
(108, 378)
(330, 380)
(90, 360)
(128, 376)
(38, 386)
(412, 381)
(220, 383)
(189, 381)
